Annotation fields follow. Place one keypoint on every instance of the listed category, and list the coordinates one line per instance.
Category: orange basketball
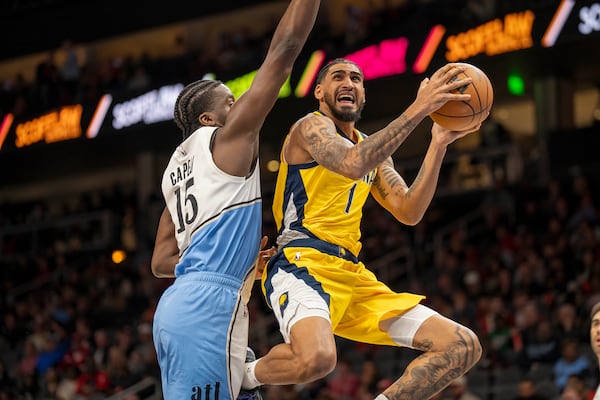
(462, 115)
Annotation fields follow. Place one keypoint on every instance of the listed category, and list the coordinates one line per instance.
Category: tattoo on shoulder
(320, 140)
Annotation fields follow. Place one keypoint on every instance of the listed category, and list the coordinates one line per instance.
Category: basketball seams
(459, 115)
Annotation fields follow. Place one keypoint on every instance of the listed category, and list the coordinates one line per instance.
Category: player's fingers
(475, 128)
(460, 134)
(263, 242)
(459, 84)
(448, 71)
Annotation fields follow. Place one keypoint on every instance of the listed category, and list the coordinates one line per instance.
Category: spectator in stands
(527, 390)
(576, 389)
(47, 81)
(101, 343)
(571, 362)
(459, 390)
(344, 383)
(7, 384)
(567, 324)
(140, 80)
(369, 377)
(540, 344)
(69, 73)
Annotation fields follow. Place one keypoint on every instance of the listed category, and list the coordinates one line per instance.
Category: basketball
(463, 115)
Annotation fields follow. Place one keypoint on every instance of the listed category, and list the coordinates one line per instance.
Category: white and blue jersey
(201, 321)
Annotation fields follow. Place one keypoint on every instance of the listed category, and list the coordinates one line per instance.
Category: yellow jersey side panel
(313, 201)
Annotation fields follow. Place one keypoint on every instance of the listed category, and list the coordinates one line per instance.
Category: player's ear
(207, 119)
(318, 92)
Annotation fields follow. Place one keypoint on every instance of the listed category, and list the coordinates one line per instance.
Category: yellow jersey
(312, 201)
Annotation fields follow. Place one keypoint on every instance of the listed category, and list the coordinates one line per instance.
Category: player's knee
(317, 364)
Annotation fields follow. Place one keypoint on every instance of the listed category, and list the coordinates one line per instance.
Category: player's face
(342, 92)
(223, 100)
(595, 334)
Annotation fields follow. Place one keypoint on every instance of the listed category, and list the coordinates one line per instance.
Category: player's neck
(347, 127)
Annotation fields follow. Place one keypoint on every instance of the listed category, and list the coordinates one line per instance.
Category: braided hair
(194, 99)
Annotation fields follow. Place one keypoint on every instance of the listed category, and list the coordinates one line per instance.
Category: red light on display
(383, 59)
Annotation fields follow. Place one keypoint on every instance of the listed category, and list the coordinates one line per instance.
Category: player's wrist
(249, 381)
(415, 112)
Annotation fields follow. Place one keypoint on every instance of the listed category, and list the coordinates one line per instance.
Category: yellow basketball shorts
(310, 277)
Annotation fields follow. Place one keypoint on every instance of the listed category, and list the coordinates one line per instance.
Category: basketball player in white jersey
(212, 192)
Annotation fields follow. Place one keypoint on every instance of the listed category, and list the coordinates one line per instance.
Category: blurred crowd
(522, 272)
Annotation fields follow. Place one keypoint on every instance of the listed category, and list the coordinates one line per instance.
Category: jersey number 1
(188, 202)
(350, 197)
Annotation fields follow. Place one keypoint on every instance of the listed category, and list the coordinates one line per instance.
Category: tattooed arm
(315, 138)
(408, 204)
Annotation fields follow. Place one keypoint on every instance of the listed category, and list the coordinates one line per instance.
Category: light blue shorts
(200, 335)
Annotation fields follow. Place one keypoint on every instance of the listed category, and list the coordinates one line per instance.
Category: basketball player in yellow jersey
(315, 283)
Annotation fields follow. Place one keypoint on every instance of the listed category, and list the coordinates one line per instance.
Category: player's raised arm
(247, 115)
(318, 137)
(409, 204)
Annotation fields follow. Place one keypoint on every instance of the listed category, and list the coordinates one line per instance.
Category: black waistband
(324, 247)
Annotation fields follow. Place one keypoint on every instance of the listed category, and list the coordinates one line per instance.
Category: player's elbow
(356, 172)
(412, 221)
(409, 217)
(155, 267)
(162, 268)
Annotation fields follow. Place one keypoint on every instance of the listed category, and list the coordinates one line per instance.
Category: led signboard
(149, 108)
(589, 19)
(55, 126)
(568, 21)
(572, 20)
(492, 38)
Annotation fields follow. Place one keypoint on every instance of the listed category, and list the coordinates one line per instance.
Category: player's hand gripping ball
(463, 115)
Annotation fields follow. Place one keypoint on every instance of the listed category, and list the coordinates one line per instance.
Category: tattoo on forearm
(380, 146)
(379, 187)
(369, 154)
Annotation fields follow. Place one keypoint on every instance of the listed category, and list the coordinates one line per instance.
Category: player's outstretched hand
(444, 136)
(263, 256)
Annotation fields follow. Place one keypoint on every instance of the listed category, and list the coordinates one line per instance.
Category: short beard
(344, 116)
